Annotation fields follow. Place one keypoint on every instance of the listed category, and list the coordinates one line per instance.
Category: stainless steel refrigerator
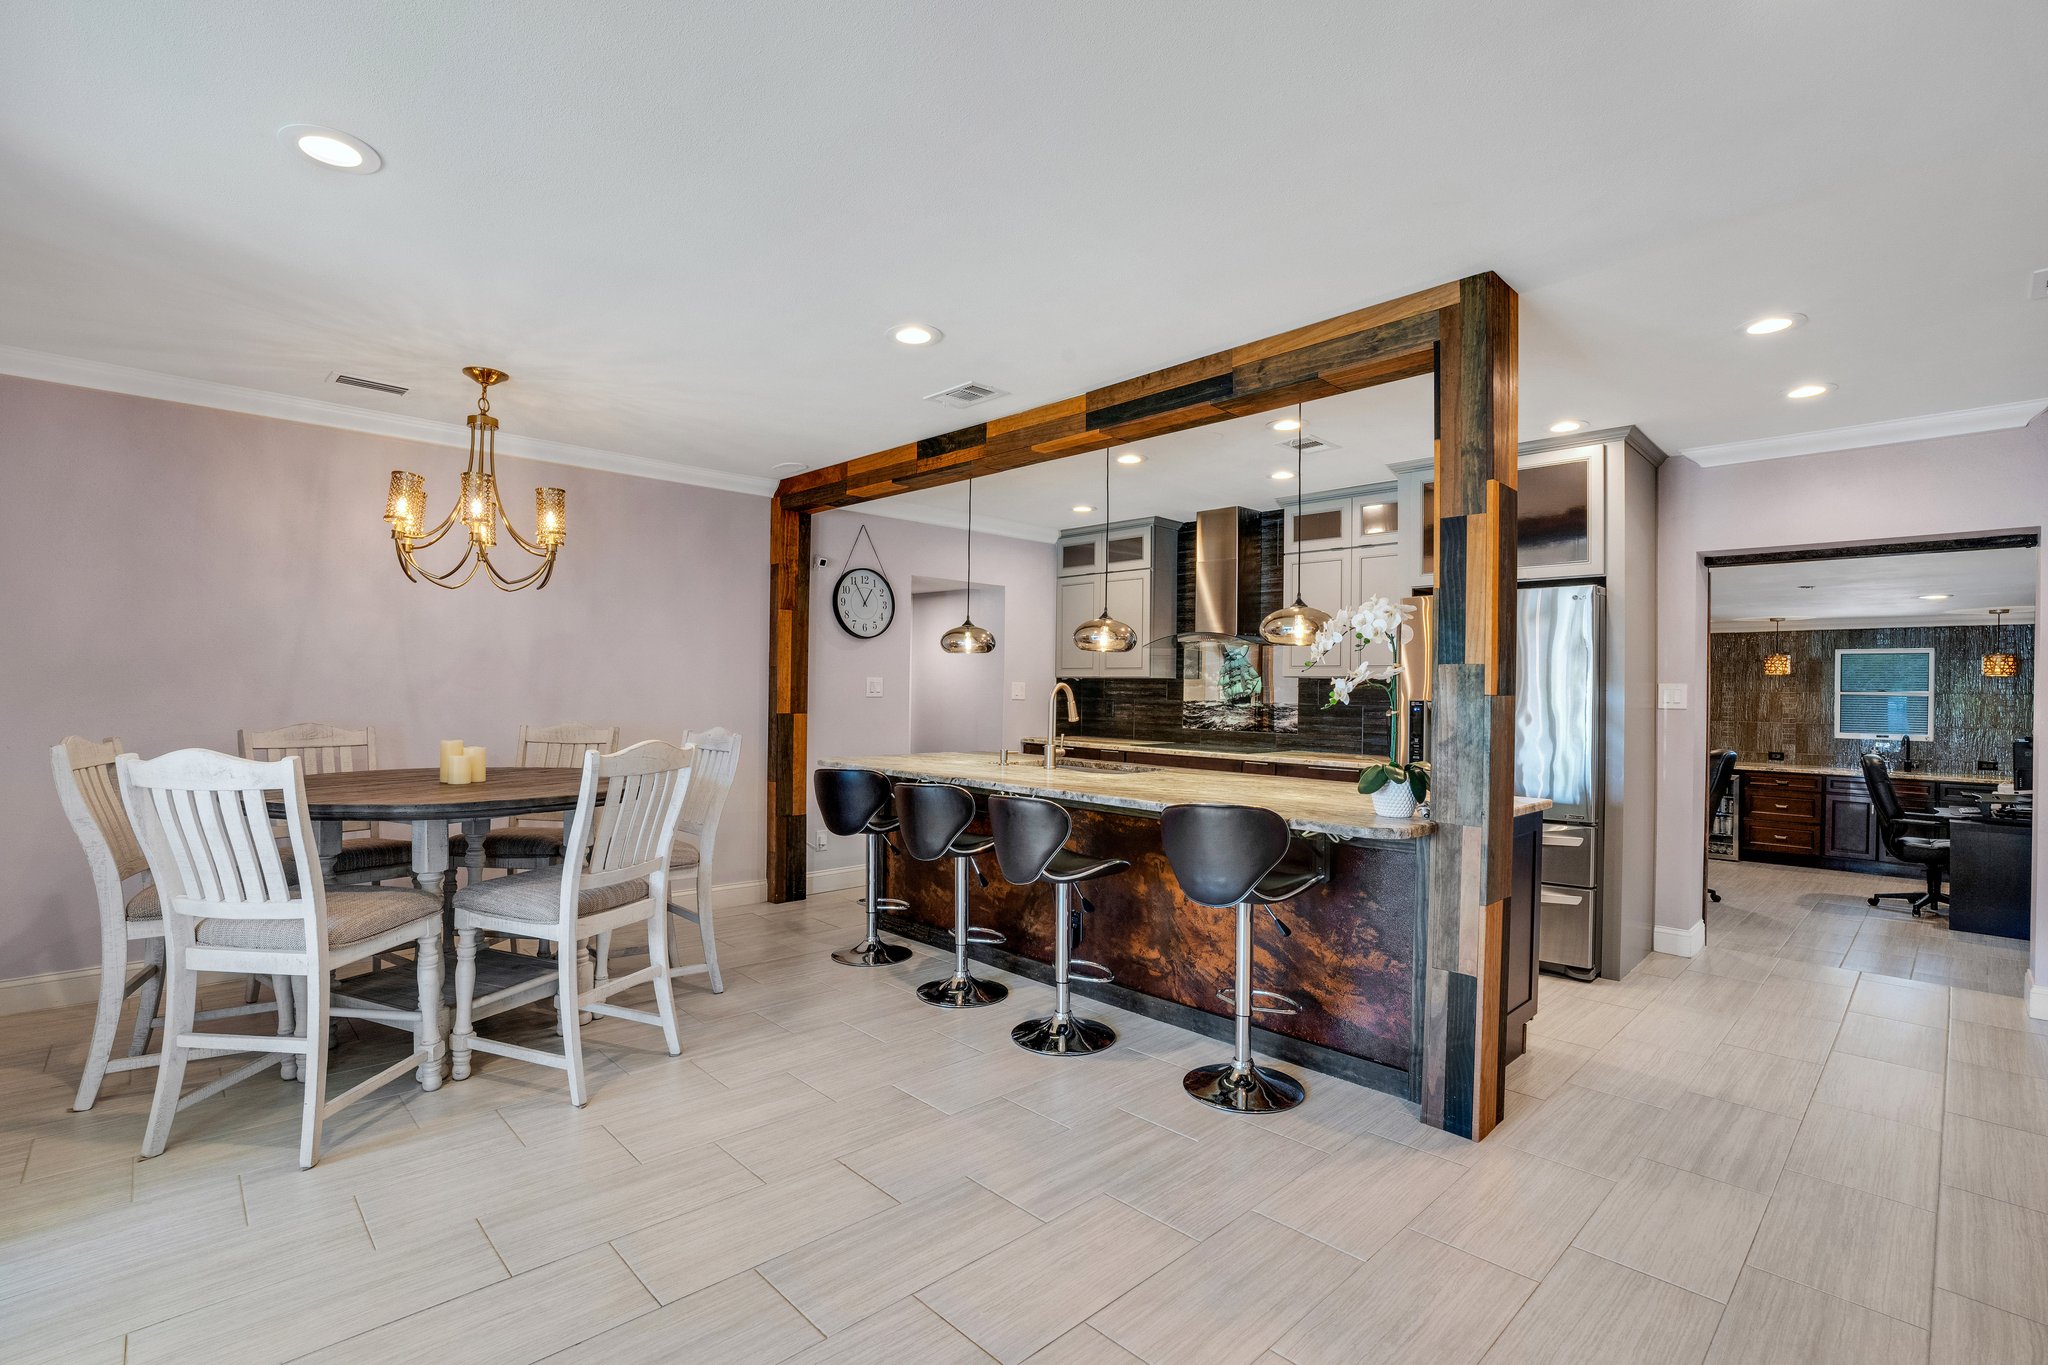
(1560, 679)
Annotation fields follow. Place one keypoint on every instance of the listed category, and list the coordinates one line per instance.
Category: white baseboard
(2037, 997)
(1681, 942)
(81, 985)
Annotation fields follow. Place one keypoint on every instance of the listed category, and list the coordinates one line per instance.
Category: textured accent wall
(1974, 716)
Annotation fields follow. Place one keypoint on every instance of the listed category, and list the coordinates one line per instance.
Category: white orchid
(1372, 621)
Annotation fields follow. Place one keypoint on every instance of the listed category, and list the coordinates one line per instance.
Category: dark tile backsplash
(1974, 716)
(1151, 708)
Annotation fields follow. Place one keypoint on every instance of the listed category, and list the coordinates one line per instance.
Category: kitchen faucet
(1052, 721)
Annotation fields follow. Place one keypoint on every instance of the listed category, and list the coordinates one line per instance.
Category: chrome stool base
(873, 953)
(1071, 1036)
(1251, 1089)
(962, 993)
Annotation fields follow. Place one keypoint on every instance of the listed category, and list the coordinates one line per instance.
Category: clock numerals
(863, 603)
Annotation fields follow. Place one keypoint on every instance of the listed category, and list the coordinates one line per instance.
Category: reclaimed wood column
(789, 681)
(1471, 857)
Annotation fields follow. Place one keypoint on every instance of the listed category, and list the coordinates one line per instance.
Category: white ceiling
(1225, 464)
(684, 229)
(1832, 594)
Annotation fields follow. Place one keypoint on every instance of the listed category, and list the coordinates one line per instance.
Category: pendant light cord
(1300, 498)
(1105, 530)
(970, 551)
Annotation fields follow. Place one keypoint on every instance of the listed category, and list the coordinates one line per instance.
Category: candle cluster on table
(461, 763)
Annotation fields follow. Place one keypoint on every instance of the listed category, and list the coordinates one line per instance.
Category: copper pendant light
(968, 638)
(1298, 622)
(1105, 634)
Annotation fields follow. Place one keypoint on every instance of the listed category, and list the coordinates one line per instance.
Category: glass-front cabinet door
(1560, 522)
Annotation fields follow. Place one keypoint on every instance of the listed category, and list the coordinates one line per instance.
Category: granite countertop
(1310, 805)
(1752, 765)
(1313, 758)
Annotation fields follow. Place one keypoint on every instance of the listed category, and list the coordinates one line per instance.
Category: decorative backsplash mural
(1974, 717)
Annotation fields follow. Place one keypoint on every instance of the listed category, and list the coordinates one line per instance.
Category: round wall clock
(863, 603)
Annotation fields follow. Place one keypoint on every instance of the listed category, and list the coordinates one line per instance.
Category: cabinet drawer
(1781, 806)
(1781, 782)
(1776, 838)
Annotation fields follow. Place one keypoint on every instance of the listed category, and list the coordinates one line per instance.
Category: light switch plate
(1670, 696)
(1016, 691)
(874, 687)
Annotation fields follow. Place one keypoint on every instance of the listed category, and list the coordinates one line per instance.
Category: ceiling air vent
(377, 384)
(1308, 445)
(964, 395)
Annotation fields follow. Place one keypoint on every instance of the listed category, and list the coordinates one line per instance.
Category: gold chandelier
(2001, 662)
(1777, 663)
(477, 510)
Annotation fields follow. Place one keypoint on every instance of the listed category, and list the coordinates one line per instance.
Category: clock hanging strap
(873, 549)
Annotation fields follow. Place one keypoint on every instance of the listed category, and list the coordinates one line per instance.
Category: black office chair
(1909, 836)
(1031, 836)
(856, 801)
(1242, 856)
(932, 820)
(1720, 774)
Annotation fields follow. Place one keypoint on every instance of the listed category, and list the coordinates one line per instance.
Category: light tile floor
(1825, 1138)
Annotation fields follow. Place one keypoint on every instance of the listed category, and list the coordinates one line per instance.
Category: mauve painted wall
(844, 720)
(175, 573)
(1957, 486)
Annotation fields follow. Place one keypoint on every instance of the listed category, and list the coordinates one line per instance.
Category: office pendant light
(2000, 662)
(1297, 623)
(968, 638)
(1777, 664)
(1105, 634)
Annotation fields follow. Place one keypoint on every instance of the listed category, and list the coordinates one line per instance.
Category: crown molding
(205, 393)
(2020, 616)
(1928, 427)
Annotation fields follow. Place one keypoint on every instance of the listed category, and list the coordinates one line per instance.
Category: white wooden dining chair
(615, 873)
(366, 856)
(203, 823)
(714, 762)
(532, 841)
(90, 793)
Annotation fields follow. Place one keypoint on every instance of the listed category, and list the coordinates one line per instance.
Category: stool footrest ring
(985, 936)
(1288, 1004)
(885, 903)
(1103, 980)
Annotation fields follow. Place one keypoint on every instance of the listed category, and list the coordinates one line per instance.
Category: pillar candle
(473, 763)
(451, 759)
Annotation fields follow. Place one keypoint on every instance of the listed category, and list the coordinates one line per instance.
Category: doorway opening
(956, 700)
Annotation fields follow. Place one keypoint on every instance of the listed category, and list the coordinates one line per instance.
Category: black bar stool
(1031, 836)
(932, 820)
(856, 801)
(1242, 856)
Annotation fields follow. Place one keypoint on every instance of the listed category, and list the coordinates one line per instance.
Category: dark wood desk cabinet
(1814, 820)
(1781, 815)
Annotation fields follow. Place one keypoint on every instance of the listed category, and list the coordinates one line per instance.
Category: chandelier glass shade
(1105, 634)
(477, 511)
(2000, 662)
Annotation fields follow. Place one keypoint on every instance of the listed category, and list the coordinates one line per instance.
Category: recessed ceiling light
(1934, 597)
(1566, 426)
(1776, 322)
(1808, 390)
(1286, 424)
(1083, 507)
(1283, 473)
(1130, 457)
(915, 334)
(788, 467)
(331, 148)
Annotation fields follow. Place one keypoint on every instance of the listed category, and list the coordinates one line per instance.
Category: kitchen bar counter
(1308, 805)
(1355, 957)
(1312, 758)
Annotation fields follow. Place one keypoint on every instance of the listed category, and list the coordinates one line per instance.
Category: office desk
(1990, 874)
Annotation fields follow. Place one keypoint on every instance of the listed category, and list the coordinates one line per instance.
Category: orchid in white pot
(1394, 787)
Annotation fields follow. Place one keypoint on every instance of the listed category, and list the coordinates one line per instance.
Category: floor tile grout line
(495, 1252)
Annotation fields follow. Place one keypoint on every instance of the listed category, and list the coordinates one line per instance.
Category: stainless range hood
(1227, 569)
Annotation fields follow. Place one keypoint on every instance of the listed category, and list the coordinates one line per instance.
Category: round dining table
(432, 808)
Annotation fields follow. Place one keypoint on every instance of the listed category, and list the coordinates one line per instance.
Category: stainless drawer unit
(1571, 854)
(1570, 896)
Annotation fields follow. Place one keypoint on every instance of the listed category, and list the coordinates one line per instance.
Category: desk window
(1884, 693)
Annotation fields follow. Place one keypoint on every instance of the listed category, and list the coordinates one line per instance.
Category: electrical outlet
(2039, 288)
(1016, 691)
(818, 839)
(874, 687)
